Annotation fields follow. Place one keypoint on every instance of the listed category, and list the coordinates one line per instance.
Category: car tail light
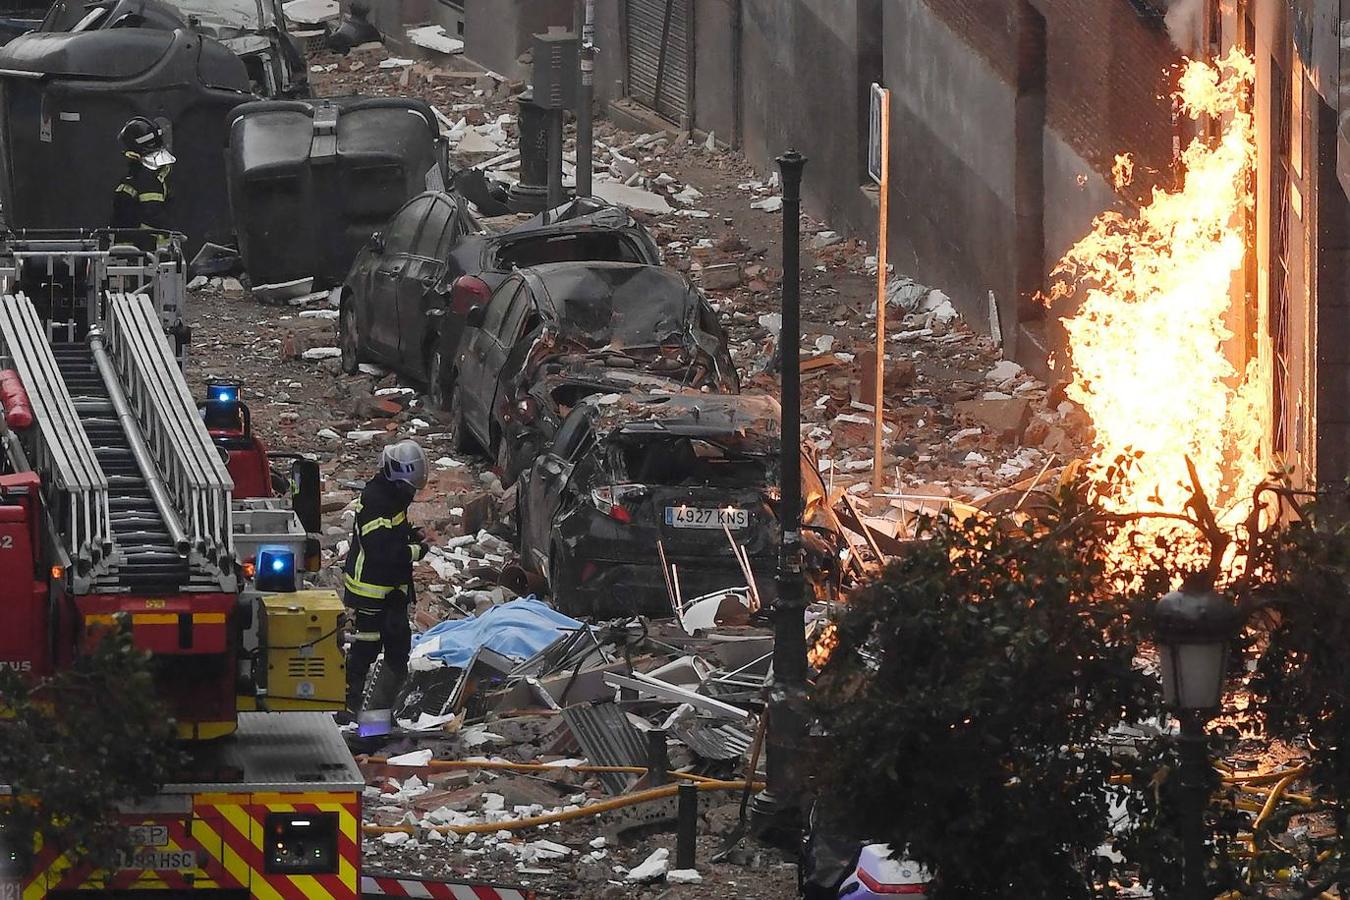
(467, 292)
(522, 410)
(614, 500)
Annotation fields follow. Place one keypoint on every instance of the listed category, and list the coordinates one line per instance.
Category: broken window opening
(537, 251)
(680, 461)
(1281, 184)
(1029, 163)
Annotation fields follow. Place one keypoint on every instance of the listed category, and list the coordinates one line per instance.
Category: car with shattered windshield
(254, 30)
(529, 421)
(640, 498)
(628, 315)
(435, 269)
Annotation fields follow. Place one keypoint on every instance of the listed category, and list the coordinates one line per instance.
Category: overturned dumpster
(310, 181)
(64, 98)
(255, 30)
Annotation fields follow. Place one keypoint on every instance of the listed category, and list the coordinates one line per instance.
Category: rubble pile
(499, 754)
(962, 427)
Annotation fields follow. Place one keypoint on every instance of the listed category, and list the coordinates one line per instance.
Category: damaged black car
(254, 30)
(396, 297)
(617, 315)
(528, 422)
(639, 499)
(446, 271)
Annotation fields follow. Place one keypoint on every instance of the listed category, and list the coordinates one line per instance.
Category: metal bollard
(686, 827)
(530, 194)
(658, 758)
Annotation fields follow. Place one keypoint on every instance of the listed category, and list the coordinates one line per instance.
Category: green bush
(76, 745)
(967, 703)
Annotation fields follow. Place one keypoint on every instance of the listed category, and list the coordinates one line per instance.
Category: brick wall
(1109, 76)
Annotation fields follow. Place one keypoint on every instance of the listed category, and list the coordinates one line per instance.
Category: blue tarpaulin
(518, 629)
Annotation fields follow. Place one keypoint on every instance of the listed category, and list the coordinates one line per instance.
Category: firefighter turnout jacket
(384, 543)
(141, 200)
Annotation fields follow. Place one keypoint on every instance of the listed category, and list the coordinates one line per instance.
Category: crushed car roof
(620, 304)
(579, 214)
(560, 374)
(690, 413)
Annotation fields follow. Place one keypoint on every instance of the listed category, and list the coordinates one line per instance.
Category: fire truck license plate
(161, 860)
(705, 517)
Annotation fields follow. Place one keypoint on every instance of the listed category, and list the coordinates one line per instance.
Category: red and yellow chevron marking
(225, 831)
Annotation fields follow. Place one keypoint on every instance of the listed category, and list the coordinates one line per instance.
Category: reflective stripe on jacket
(384, 545)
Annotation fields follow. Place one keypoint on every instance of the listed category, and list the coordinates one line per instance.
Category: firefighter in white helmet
(378, 571)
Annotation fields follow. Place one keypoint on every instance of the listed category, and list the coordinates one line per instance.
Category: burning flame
(1147, 344)
(1122, 171)
(819, 652)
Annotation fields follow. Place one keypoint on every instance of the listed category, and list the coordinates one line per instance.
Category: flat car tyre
(436, 392)
(350, 342)
(461, 440)
(562, 583)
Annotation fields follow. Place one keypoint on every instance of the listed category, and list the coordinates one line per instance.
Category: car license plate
(706, 517)
(10, 890)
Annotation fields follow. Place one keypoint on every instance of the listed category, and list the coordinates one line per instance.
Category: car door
(419, 289)
(547, 481)
(390, 261)
(519, 318)
(474, 379)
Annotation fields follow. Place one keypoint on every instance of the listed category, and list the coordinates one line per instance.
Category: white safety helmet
(405, 461)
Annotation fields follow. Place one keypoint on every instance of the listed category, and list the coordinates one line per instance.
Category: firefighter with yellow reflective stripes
(377, 575)
(141, 199)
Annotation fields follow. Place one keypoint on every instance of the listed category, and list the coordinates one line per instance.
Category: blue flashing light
(223, 391)
(222, 404)
(276, 570)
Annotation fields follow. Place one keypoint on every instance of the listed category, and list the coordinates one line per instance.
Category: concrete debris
(632, 198)
(434, 38)
(1003, 370)
(475, 143)
(768, 204)
(689, 196)
(311, 12)
(650, 869)
(684, 876)
(1004, 416)
(905, 293)
(315, 353)
(395, 62)
(722, 277)
(415, 758)
(822, 239)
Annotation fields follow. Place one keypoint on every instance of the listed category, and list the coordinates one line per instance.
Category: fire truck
(125, 499)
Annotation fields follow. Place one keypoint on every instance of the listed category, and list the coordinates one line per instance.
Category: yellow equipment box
(305, 666)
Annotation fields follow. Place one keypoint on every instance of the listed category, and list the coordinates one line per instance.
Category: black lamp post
(1194, 630)
(777, 808)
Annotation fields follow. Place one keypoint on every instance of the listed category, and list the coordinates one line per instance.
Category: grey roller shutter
(658, 56)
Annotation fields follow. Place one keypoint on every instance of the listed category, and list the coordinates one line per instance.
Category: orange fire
(819, 653)
(1147, 345)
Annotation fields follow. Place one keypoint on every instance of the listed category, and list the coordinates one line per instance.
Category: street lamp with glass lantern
(1194, 631)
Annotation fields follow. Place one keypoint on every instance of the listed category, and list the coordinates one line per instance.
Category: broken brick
(1007, 419)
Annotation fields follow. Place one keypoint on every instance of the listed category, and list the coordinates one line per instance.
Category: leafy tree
(1301, 584)
(967, 703)
(76, 745)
